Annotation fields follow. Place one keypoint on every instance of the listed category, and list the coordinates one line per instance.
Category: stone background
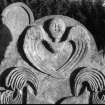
(90, 13)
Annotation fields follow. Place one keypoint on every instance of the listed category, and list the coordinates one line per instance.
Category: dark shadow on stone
(5, 39)
(46, 27)
(72, 79)
(20, 48)
(3, 77)
(66, 34)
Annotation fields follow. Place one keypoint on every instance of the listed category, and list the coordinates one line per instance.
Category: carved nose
(57, 28)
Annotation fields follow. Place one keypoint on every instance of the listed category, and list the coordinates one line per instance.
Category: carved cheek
(57, 28)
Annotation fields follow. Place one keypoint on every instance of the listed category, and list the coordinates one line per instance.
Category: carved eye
(57, 28)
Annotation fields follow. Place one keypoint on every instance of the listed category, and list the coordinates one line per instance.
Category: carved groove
(18, 79)
(93, 80)
(79, 51)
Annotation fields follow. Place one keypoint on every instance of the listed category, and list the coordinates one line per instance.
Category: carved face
(57, 28)
(52, 58)
(52, 63)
